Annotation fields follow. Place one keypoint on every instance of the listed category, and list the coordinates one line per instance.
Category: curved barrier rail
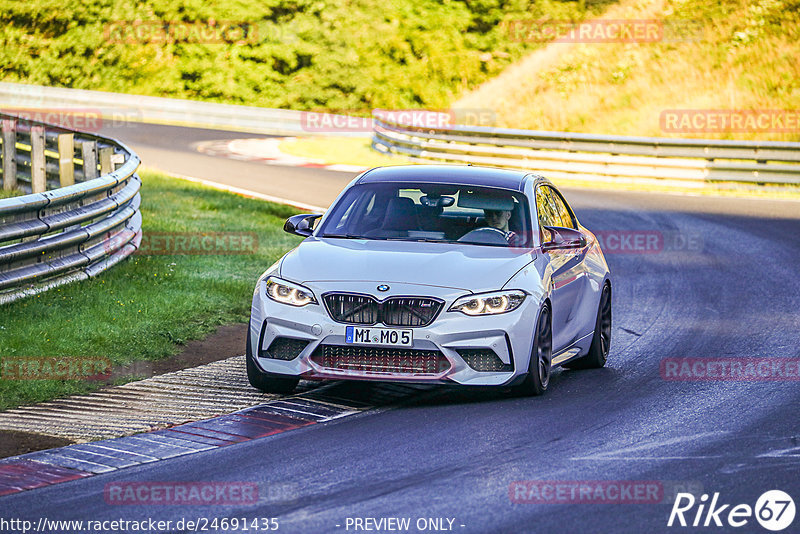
(576, 156)
(86, 222)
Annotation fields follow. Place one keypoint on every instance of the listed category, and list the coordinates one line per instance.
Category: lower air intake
(284, 348)
(381, 360)
(484, 360)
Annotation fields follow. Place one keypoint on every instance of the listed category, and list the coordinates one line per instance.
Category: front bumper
(509, 335)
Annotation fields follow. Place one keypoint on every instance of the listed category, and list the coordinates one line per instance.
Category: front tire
(266, 382)
(541, 357)
(601, 341)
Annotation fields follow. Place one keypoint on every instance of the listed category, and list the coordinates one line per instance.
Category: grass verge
(148, 305)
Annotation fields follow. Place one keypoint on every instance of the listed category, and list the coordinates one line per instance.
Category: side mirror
(300, 224)
(563, 238)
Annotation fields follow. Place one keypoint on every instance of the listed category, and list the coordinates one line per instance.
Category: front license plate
(378, 336)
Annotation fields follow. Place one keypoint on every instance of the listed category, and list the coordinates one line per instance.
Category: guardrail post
(9, 154)
(89, 151)
(66, 155)
(116, 159)
(38, 175)
(105, 160)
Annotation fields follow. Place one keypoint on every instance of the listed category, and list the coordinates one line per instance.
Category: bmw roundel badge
(383, 287)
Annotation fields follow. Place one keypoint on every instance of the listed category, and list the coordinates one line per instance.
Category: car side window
(553, 207)
(544, 208)
(560, 206)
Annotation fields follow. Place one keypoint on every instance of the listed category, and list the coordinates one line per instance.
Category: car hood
(468, 267)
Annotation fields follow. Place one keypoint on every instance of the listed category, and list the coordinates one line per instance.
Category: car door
(568, 273)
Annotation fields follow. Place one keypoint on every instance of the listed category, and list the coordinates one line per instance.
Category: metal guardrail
(574, 156)
(81, 215)
(118, 108)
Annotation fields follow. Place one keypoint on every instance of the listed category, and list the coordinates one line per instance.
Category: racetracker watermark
(181, 493)
(197, 243)
(181, 32)
(586, 492)
(352, 122)
(768, 369)
(730, 121)
(83, 119)
(605, 31)
(648, 241)
(55, 368)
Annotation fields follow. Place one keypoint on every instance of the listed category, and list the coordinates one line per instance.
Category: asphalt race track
(171, 149)
(723, 283)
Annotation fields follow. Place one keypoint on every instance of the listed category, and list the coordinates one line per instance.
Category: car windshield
(430, 212)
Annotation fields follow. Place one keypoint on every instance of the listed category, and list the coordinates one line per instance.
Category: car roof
(449, 174)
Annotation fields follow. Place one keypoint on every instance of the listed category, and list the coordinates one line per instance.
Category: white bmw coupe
(437, 274)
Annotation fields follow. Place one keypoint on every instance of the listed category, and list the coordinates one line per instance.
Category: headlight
(489, 303)
(289, 293)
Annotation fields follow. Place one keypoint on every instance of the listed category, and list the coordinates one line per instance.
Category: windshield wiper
(348, 236)
(421, 239)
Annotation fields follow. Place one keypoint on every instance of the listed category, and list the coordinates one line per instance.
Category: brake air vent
(284, 348)
(485, 360)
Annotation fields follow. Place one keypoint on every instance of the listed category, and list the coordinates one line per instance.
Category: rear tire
(601, 341)
(266, 382)
(538, 377)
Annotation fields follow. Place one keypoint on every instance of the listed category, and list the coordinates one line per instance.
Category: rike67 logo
(774, 510)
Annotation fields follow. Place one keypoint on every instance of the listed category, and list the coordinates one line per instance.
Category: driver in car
(497, 219)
